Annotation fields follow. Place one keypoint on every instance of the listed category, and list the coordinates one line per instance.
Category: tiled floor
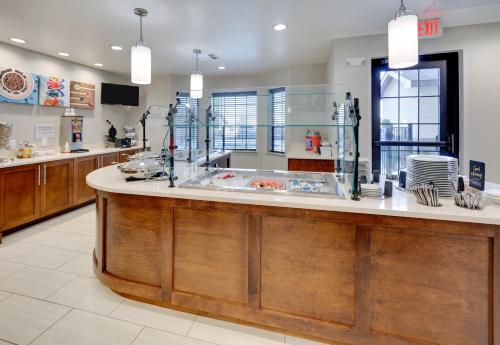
(49, 296)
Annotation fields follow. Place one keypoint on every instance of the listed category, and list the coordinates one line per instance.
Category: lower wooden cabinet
(312, 165)
(19, 195)
(84, 166)
(109, 159)
(57, 186)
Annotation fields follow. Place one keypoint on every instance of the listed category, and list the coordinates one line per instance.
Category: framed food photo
(82, 95)
(53, 91)
(17, 86)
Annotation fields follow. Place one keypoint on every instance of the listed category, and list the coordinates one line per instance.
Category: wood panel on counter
(311, 165)
(336, 277)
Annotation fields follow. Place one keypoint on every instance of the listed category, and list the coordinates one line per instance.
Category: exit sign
(430, 28)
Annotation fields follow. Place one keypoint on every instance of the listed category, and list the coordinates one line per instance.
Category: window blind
(238, 111)
(276, 133)
(181, 123)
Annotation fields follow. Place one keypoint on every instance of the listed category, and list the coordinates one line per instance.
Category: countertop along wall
(25, 116)
(480, 89)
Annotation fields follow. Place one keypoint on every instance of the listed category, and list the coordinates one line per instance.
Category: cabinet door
(83, 167)
(123, 155)
(19, 195)
(109, 159)
(57, 186)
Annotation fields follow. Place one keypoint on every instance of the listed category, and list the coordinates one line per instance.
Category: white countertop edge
(61, 156)
(407, 205)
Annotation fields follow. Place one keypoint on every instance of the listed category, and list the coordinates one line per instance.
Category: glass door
(414, 110)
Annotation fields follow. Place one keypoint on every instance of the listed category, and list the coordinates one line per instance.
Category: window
(181, 123)
(276, 133)
(238, 112)
(415, 111)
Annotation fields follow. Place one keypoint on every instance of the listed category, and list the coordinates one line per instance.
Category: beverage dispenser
(72, 133)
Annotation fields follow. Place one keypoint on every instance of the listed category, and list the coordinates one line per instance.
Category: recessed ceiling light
(17, 40)
(98, 64)
(63, 54)
(116, 48)
(221, 67)
(279, 27)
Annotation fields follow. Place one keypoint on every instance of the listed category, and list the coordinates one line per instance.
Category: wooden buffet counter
(342, 277)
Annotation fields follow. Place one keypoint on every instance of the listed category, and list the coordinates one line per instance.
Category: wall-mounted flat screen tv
(119, 94)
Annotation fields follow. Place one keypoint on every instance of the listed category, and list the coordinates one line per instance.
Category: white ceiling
(238, 31)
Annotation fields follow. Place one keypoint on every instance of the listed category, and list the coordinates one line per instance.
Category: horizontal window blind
(276, 133)
(238, 111)
(181, 123)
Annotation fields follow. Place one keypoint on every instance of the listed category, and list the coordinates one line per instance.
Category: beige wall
(480, 90)
(24, 117)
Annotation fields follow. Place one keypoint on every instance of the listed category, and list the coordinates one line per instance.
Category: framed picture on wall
(53, 92)
(17, 86)
(82, 95)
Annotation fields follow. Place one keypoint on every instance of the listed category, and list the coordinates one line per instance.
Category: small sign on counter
(477, 175)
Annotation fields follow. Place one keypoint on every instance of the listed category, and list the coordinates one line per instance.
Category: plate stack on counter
(372, 191)
(440, 170)
(493, 195)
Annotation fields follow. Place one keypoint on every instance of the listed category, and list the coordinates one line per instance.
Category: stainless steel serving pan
(209, 181)
(140, 168)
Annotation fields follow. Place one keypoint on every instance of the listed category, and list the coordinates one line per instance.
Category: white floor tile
(155, 317)
(6, 343)
(87, 294)
(289, 340)
(36, 282)
(84, 244)
(79, 228)
(81, 265)
(46, 257)
(8, 268)
(12, 250)
(4, 295)
(55, 239)
(22, 319)
(83, 328)
(151, 336)
(225, 333)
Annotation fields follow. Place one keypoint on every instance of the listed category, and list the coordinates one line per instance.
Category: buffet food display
(265, 181)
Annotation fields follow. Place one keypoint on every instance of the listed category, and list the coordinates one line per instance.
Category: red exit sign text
(430, 28)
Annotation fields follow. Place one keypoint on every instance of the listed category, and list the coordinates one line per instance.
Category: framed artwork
(17, 86)
(82, 95)
(53, 92)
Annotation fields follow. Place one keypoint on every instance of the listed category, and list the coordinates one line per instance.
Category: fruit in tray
(225, 176)
(267, 184)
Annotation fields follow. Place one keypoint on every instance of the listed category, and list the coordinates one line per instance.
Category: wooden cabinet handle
(45, 174)
(39, 172)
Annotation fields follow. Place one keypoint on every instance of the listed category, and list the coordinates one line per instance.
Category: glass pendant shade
(141, 65)
(403, 41)
(196, 85)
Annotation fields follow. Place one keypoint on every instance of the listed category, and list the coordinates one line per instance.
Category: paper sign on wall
(44, 131)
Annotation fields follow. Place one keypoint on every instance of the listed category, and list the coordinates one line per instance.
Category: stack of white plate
(494, 195)
(372, 191)
(438, 170)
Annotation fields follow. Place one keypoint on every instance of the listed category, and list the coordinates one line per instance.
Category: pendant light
(196, 79)
(403, 39)
(140, 56)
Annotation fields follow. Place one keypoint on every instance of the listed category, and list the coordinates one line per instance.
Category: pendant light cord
(140, 28)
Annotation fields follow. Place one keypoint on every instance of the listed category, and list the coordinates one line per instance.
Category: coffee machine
(72, 133)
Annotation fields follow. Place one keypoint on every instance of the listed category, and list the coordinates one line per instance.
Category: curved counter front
(338, 277)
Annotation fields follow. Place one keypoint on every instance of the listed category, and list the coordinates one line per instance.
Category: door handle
(45, 174)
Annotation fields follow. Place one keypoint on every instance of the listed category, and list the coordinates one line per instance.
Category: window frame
(271, 141)
(223, 141)
(449, 105)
